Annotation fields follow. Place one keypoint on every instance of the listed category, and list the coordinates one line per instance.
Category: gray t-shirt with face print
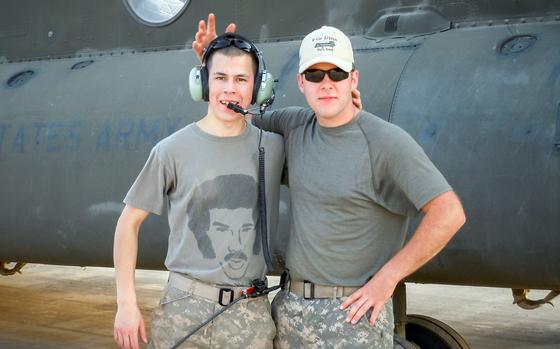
(209, 186)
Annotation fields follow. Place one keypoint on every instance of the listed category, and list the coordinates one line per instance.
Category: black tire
(429, 333)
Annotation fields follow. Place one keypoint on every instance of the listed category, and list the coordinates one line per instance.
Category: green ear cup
(195, 84)
(265, 89)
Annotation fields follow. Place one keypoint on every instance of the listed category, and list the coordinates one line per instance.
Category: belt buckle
(221, 296)
(311, 289)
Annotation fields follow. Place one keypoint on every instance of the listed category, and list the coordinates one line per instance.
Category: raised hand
(206, 34)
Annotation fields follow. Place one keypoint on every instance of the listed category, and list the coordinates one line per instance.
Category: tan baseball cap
(326, 45)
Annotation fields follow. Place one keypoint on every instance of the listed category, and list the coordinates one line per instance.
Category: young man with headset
(355, 180)
(206, 176)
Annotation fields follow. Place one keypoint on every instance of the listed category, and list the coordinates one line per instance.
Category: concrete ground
(71, 307)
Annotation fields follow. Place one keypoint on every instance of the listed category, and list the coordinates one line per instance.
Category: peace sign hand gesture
(205, 35)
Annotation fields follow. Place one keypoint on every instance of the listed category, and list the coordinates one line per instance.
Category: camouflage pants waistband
(223, 295)
(309, 290)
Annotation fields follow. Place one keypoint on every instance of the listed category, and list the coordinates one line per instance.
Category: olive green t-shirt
(353, 189)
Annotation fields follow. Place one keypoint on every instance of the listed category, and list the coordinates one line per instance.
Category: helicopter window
(156, 12)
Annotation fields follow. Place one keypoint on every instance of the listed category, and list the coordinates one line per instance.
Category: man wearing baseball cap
(355, 180)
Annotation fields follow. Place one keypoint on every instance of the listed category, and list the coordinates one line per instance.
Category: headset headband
(235, 40)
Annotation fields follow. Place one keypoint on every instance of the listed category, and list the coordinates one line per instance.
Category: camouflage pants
(247, 324)
(319, 323)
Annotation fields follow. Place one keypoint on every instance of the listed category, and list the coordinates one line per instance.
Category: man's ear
(355, 75)
(299, 79)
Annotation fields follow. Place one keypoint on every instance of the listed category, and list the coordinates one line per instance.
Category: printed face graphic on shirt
(235, 229)
(222, 216)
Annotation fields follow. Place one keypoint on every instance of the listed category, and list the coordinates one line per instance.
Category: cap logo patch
(324, 44)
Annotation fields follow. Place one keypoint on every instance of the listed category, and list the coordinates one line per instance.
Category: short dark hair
(232, 51)
(229, 192)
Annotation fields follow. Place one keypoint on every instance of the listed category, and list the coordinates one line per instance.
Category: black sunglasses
(317, 75)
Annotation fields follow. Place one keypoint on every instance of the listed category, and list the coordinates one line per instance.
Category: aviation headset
(198, 78)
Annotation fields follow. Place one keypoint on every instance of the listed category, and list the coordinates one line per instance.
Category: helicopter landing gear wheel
(427, 332)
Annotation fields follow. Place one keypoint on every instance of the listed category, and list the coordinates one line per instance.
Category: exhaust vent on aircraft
(391, 24)
(517, 44)
(20, 78)
(82, 64)
(408, 21)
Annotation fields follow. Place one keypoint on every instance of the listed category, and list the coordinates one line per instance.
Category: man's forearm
(443, 218)
(124, 255)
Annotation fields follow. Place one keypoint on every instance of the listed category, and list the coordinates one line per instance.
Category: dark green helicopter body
(88, 87)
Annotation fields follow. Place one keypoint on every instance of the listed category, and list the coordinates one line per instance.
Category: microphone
(237, 109)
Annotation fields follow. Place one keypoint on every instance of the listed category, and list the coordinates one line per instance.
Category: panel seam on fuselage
(397, 88)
